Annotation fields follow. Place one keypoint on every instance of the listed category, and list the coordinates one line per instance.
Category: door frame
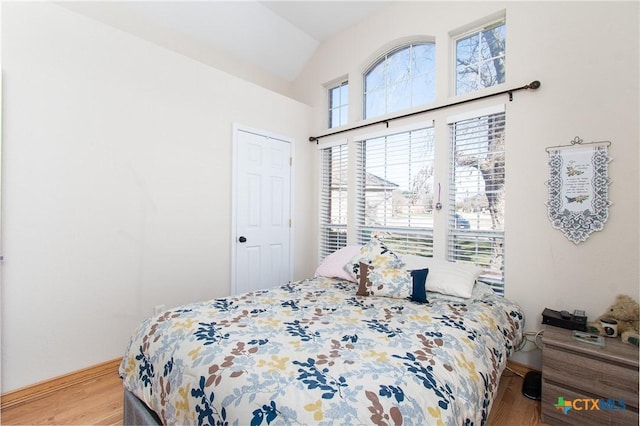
(234, 200)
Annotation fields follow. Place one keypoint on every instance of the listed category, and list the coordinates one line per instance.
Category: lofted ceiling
(278, 37)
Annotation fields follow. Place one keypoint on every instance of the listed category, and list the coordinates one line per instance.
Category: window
(391, 186)
(339, 105)
(333, 200)
(403, 78)
(476, 195)
(480, 58)
(395, 190)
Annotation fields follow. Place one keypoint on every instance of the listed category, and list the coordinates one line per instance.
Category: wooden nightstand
(581, 373)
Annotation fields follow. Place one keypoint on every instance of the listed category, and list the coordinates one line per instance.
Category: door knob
(242, 239)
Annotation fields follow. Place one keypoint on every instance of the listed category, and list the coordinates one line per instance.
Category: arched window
(403, 78)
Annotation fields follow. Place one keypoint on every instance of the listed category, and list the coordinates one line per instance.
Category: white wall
(586, 56)
(121, 15)
(117, 185)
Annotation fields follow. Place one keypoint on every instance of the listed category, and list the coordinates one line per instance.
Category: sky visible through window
(402, 79)
(339, 105)
(480, 59)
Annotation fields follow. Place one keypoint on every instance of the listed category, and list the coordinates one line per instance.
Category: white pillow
(413, 261)
(451, 278)
(332, 266)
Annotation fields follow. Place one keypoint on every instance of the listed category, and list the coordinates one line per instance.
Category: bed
(325, 350)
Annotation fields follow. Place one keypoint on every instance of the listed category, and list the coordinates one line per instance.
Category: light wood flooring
(99, 402)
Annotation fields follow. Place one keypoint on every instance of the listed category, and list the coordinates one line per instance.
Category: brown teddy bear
(626, 312)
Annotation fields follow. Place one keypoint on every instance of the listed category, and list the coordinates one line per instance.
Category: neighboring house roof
(376, 183)
(373, 183)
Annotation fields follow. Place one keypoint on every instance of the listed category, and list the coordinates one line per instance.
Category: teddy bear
(626, 312)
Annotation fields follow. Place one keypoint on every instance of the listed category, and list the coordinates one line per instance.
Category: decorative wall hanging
(579, 188)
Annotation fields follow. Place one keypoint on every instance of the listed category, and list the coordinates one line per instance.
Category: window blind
(333, 199)
(394, 187)
(476, 195)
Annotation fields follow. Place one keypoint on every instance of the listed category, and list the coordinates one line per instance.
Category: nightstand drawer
(590, 375)
(584, 414)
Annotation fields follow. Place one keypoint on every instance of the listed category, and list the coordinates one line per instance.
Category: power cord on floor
(517, 373)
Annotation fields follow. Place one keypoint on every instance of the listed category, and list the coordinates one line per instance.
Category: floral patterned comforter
(312, 352)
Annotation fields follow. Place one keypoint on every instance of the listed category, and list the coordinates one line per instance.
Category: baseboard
(47, 387)
(519, 367)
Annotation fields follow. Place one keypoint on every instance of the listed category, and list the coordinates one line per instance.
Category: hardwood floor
(510, 407)
(99, 402)
(94, 402)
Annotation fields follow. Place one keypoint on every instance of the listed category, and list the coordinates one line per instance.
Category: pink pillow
(332, 266)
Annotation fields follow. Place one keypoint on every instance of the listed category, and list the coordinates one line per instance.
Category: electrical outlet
(158, 309)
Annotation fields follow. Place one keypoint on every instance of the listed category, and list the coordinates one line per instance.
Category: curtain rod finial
(313, 139)
(534, 85)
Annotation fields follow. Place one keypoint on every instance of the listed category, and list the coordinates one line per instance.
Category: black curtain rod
(531, 86)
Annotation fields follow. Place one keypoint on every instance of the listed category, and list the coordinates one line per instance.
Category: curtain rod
(531, 86)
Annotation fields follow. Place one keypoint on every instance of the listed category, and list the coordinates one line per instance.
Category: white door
(262, 212)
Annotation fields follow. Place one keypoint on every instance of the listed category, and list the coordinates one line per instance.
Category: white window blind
(333, 200)
(394, 184)
(476, 195)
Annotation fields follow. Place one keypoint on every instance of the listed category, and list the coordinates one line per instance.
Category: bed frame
(137, 413)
